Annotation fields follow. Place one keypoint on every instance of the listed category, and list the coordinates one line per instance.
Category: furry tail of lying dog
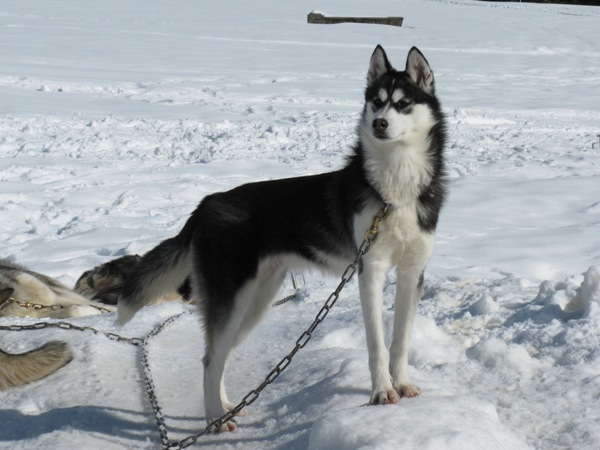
(23, 368)
(162, 270)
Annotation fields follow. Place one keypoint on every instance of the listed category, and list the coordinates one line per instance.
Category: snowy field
(117, 117)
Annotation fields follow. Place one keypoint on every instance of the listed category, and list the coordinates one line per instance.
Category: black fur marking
(185, 290)
(433, 196)
(273, 222)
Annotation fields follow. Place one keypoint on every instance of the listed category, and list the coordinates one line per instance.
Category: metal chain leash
(215, 425)
(149, 382)
(37, 306)
(69, 326)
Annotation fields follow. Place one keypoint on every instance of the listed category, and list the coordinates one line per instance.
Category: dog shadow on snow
(306, 401)
(17, 426)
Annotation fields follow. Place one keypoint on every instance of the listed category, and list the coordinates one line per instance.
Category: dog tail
(17, 370)
(161, 271)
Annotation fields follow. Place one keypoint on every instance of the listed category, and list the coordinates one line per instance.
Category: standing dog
(237, 245)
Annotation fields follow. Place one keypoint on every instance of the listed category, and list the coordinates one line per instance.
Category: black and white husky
(237, 245)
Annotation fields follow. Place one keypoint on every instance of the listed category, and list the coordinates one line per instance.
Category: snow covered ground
(117, 117)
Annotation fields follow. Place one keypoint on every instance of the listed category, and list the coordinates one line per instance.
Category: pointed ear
(379, 65)
(419, 71)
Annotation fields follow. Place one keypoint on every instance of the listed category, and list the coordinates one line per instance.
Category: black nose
(380, 125)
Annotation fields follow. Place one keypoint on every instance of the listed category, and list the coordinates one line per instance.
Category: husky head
(400, 106)
(402, 135)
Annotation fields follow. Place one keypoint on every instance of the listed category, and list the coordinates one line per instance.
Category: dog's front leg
(408, 293)
(371, 280)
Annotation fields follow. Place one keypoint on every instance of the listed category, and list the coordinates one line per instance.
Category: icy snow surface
(117, 117)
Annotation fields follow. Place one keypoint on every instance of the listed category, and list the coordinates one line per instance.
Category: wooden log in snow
(319, 18)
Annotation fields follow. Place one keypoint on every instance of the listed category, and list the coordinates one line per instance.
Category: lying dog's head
(104, 282)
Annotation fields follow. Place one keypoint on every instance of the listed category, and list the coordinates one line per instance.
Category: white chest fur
(400, 241)
(399, 167)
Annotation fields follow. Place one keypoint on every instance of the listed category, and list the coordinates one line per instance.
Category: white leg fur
(214, 389)
(371, 282)
(407, 299)
(249, 308)
(403, 245)
(408, 294)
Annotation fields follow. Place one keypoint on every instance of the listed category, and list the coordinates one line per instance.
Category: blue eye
(401, 104)
(377, 102)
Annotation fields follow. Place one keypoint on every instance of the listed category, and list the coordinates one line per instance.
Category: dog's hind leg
(215, 396)
(248, 308)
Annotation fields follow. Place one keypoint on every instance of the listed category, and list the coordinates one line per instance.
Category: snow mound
(436, 423)
(432, 346)
(494, 353)
(574, 298)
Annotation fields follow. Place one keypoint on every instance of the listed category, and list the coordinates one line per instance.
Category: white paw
(408, 390)
(385, 397)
